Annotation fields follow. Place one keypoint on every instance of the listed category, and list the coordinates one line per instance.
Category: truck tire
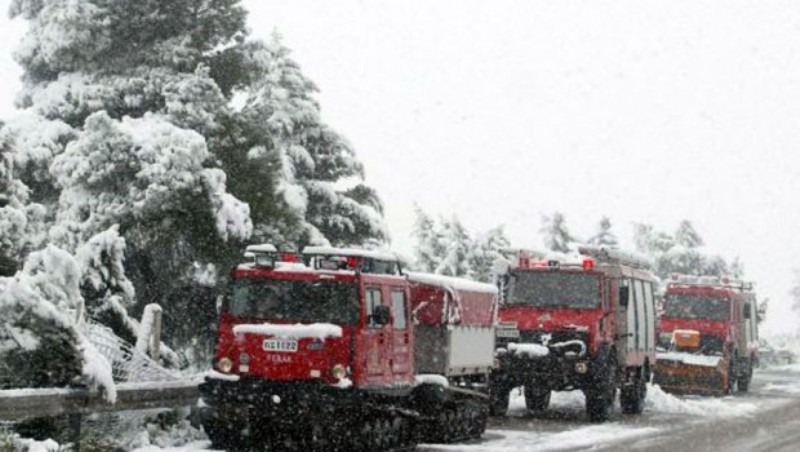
(631, 398)
(744, 378)
(733, 376)
(536, 399)
(600, 395)
(498, 400)
(599, 404)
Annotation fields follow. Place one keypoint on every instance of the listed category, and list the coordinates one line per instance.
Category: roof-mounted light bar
(267, 255)
(361, 260)
(614, 256)
(677, 279)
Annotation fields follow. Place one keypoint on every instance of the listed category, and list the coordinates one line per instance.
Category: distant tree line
(447, 247)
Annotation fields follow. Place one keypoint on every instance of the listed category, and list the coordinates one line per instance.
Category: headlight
(225, 365)
(339, 372)
(581, 368)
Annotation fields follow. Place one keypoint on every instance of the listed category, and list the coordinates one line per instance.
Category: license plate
(279, 345)
(506, 333)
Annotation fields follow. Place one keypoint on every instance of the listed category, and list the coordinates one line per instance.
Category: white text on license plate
(280, 345)
(504, 332)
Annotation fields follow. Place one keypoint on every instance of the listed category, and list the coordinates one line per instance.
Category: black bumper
(554, 372)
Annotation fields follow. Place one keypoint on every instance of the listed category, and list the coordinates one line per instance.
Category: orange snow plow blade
(687, 373)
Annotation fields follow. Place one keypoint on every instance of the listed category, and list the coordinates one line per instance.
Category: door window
(641, 323)
(373, 299)
(649, 306)
(399, 309)
(631, 325)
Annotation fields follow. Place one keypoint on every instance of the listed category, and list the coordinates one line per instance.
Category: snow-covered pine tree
(686, 235)
(648, 241)
(313, 158)
(428, 250)
(130, 124)
(486, 249)
(446, 247)
(556, 235)
(457, 247)
(604, 236)
(736, 268)
(682, 253)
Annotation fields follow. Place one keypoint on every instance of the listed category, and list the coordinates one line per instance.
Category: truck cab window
(399, 309)
(373, 299)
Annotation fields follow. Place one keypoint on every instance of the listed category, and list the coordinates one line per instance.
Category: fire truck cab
(317, 351)
(708, 335)
(587, 324)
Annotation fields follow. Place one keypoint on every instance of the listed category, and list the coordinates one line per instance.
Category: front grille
(536, 337)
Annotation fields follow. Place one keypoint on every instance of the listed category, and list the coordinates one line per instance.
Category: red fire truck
(324, 351)
(708, 335)
(587, 324)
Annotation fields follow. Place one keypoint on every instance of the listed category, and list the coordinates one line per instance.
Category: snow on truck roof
(262, 248)
(450, 282)
(600, 254)
(615, 256)
(382, 255)
(319, 331)
(678, 280)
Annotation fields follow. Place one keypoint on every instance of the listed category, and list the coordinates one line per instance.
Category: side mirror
(624, 295)
(747, 313)
(381, 315)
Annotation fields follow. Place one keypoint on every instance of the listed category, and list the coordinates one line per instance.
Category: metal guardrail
(18, 404)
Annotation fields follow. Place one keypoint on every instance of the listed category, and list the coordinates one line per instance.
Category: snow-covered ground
(534, 433)
(518, 440)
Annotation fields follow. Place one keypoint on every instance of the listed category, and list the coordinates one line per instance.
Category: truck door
(625, 321)
(375, 339)
(650, 317)
(641, 316)
(630, 333)
(402, 348)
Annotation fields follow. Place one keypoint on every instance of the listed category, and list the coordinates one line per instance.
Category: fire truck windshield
(554, 289)
(298, 301)
(696, 307)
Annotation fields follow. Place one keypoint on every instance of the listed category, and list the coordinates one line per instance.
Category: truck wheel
(477, 416)
(733, 376)
(744, 380)
(536, 399)
(631, 398)
(599, 404)
(498, 400)
(600, 395)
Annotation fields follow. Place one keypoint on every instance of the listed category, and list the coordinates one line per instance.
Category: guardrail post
(148, 340)
(155, 345)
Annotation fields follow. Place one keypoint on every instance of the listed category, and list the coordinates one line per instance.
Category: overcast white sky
(502, 111)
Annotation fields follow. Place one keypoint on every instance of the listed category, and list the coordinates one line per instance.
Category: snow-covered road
(667, 420)
(766, 418)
